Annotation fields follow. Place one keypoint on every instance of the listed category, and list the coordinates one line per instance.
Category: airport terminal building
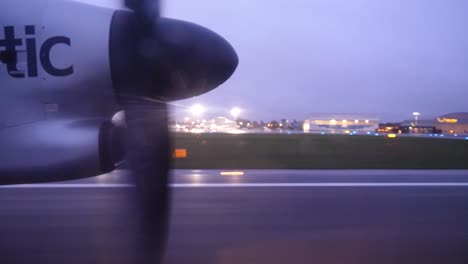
(453, 123)
(340, 123)
(221, 124)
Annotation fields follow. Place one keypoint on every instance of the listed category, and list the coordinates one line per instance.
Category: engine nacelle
(59, 150)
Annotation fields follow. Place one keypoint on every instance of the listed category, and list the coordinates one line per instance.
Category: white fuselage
(56, 95)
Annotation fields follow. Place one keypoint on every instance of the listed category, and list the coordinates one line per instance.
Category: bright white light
(197, 110)
(416, 114)
(367, 121)
(186, 119)
(235, 112)
(231, 173)
(356, 121)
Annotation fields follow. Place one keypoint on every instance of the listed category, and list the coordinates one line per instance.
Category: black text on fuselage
(10, 44)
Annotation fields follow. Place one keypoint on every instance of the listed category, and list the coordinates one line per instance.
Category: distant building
(423, 126)
(453, 123)
(273, 125)
(341, 123)
(296, 125)
(221, 124)
(394, 128)
(421, 122)
(244, 123)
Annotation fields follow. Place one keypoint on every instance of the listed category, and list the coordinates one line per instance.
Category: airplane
(84, 88)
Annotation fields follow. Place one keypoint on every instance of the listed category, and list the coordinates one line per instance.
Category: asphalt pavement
(254, 216)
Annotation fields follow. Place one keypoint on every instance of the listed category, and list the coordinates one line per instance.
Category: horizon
(386, 58)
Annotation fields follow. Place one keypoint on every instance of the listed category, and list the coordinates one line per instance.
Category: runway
(252, 216)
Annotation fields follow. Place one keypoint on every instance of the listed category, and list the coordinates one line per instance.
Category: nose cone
(195, 59)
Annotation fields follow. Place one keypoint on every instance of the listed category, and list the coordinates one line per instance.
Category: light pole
(416, 117)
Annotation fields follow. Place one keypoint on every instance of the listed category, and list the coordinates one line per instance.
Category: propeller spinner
(166, 59)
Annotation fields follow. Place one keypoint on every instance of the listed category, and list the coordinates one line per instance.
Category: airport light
(416, 117)
(197, 110)
(235, 112)
(231, 173)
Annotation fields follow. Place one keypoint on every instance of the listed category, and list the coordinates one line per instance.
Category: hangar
(453, 123)
(341, 123)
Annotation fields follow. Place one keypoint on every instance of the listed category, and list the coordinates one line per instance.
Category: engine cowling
(59, 150)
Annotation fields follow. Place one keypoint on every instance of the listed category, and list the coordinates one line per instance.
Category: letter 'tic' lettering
(45, 57)
(9, 56)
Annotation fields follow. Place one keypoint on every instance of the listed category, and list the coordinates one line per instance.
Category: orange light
(447, 120)
(391, 135)
(232, 173)
(180, 153)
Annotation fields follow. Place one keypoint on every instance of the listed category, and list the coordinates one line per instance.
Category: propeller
(154, 61)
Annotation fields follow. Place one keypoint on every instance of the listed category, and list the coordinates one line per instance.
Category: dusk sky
(297, 57)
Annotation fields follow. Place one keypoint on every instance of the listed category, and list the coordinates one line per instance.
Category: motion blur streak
(232, 173)
(246, 185)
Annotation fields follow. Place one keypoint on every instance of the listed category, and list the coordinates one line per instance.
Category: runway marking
(330, 184)
(247, 185)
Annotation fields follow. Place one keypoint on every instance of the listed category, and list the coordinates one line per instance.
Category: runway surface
(254, 216)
